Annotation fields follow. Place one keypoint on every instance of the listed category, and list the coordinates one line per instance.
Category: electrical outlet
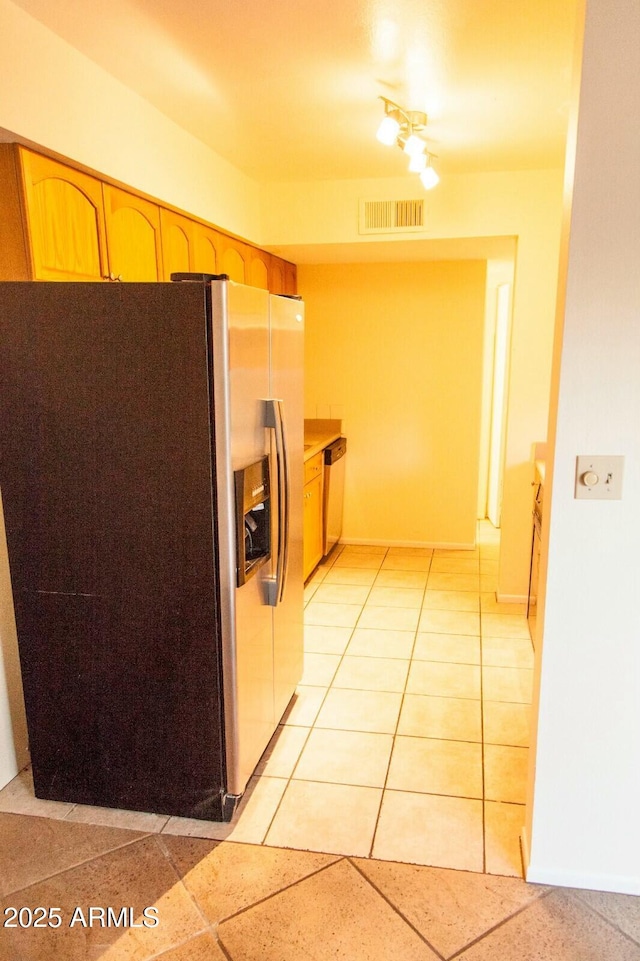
(599, 477)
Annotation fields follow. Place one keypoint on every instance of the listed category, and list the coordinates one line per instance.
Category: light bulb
(414, 145)
(429, 178)
(388, 131)
(417, 163)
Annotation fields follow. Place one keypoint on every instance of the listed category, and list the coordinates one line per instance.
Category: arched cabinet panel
(177, 243)
(277, 276)
(65, 220)
(61, 223)
(258, 273)
(206, 246)
(233, 265)
(133, 236)
(290, 278)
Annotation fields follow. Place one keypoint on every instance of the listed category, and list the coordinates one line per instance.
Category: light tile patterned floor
(415, 702)
(406, 743)
(221, 901)
(407, 739)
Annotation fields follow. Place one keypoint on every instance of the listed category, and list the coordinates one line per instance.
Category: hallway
(412, 719)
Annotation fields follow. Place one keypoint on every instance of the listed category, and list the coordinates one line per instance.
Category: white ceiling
(287, 89)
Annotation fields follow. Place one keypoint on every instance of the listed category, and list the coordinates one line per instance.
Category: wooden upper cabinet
(258, 270)
(187, 245)
(207, 244)
(276, 278)
(233, 262)
(60, 223)
(133, 236)
(290, 278)
(15, 254)
(64, 220)
(283, 277)
(177, 243)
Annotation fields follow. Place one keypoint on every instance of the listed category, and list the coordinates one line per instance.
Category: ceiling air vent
(390, 216)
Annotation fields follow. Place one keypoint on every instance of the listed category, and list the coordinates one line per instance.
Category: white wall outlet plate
(599, 477)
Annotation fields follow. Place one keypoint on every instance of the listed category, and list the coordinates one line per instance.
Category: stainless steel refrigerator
(151, 470)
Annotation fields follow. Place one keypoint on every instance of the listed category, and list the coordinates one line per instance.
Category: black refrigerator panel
(106, 467)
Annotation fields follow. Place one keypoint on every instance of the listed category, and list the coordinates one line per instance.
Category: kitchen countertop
(318, 434)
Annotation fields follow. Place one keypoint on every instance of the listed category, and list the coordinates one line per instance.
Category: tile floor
(407, 739)
(403, 756)
(223, 901)
(413, 713)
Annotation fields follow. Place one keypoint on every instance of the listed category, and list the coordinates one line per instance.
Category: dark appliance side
(106, 468)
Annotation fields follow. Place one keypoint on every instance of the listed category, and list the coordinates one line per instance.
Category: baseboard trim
(614, 883)
(429, 545)
(511, 598)
(524, 852)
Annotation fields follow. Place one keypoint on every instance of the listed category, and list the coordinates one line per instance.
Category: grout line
(395, 908)
(166, 952)
(309, 728)
(290, 777)
(221, 948)
(164, 850)
(288, 780)
(337, 858)
(79, 864)
(500, 924)
(312, 726)
(343, 655)
(484, 820)
(575, 893)
(402, 701)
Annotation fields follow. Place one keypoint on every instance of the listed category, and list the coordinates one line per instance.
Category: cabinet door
(133, 236)
(65, 220)
(177, 243)
(290, 278)
(276, 276)
(233, 261)
(312, 525)
(187, 245)
(258, 269)
(206, 247)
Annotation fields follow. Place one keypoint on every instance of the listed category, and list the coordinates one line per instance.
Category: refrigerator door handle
(275, 419)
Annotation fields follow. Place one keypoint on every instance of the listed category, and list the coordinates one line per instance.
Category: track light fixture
(403, 128)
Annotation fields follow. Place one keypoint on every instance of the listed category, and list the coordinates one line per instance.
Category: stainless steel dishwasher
(334, 465)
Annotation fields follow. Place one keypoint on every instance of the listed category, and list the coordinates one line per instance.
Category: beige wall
(396, 351)
(583, 822)
(499, 273)
(526, 205)
(54, 96)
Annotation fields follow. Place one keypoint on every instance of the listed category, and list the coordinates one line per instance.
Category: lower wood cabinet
(313, 513)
